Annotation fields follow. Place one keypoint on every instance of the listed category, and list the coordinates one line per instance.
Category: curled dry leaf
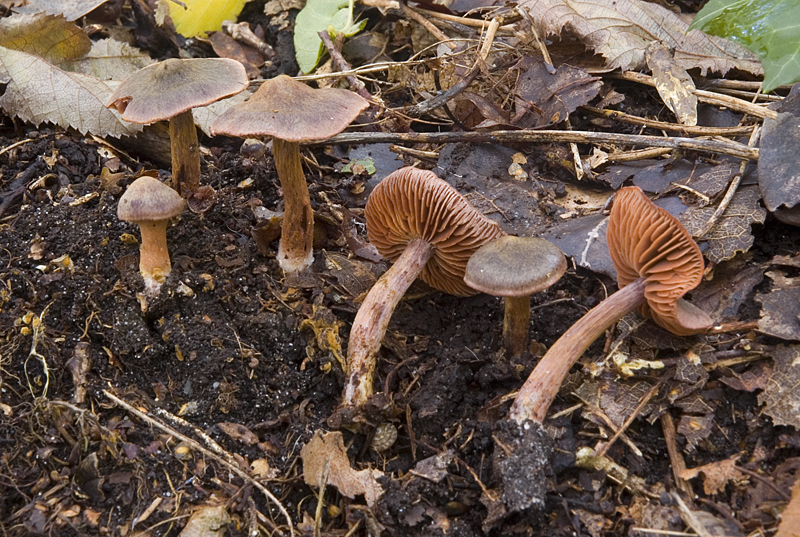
(621, 30)
(206, 521)
(715, 475)
(327, 449)
(673, 83)
(238, 432)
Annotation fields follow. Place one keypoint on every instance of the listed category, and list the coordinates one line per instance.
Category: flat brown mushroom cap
(515, 266)
(415, 204)
(165, 89)
(146, 199)
(291, 111)
(647, 242)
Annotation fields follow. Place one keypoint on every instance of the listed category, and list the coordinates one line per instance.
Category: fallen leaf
(780, 308)
(621, 30)
(51, 38)
(201, 16)
(673, 83)
(206, 521)
(318, 16)
(790, 518)
(715, 475)
(326, 330)
(109, 59)
(70, 9)
(39, 92)
(780, 398)
(778, 173)
(328, 449)
(238, 432)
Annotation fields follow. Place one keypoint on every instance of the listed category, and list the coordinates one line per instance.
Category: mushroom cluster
(291, 112)
(427, 229)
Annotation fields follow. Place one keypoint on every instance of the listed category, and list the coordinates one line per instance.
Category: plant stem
(373, 318)
(538, 392)
(297, 231)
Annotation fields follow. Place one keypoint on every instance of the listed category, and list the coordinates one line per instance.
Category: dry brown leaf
(621, 30)
(51, 38)
(715, 475)
(238, 432)
(38, 91)
(109, 59)
(204, 116)
(328, 449)
(673, 83)
(326, 330)
(790, 519)
(206, 521)
(70, 9)
(780, 308)
(781, 398)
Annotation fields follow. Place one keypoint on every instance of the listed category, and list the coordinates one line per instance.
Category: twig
(664, 125)
(442, 98)
(341, 64)
(546, 136)
(731, 189)
(428, 25)
(199, 447)
(636, 411)
(708, 97)
(678, 464)
(242, 33)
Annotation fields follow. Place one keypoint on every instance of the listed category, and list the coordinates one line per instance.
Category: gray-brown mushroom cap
(415, 204)
(165, 89)
(148, 199)
(292, 111)
(515, 266)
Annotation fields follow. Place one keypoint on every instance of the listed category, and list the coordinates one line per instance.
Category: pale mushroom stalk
(373, 318)
(154, 262)
(185, 151)
(295, 251)
(541, 387)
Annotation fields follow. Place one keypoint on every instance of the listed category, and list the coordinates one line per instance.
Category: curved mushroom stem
(297, 231)
(154, 264)
(185, 151)
(538, 392)
(373, 317)
(516, 323)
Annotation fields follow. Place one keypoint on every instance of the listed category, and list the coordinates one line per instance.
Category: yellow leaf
(203, 16)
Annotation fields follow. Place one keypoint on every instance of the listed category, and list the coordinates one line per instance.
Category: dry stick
(731, 189)
(708, 97)
(341, 64)
(545, 136)
(242, 33)
(428, 25)
(199, 447)
(540, 389)
(678, 464)
(664, 125)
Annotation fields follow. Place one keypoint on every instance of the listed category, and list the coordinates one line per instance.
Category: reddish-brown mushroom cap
(647, 242)
(292, 111)
(415, 204)
(165, 89)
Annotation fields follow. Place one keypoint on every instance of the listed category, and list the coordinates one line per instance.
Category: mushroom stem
(373, 317)
(516, 323)
(154, 264)
(185, 153)
(538, 392)
(297, 231)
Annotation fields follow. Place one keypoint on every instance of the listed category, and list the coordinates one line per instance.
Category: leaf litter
(260, 358)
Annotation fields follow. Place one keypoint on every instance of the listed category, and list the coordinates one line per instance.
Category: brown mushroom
(169, 90)
(515, 268)
(657, 262)
(292, 112)
(151, 204)
(429, 230)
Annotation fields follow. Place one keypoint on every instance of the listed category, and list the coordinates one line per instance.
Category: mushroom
(429, 230)
(515, 268)
(169, 90)
(657, 262)
(291, 113)
(150, 204)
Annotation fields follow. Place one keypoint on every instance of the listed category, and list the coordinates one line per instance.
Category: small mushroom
(292, 112)
(657, 262)
(169, 90)
(515, 268)
(429, 230)
(151, 204)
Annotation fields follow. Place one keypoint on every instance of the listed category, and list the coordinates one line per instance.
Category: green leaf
(771, 29)
(317, 16)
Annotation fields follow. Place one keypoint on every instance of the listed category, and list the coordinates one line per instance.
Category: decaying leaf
(204, 116)
(206, 521)
(696, 429)
(732, 232)
(778, 173)
(70, 9)
(327, 449)
(673, 83)
(109, 59)
(621, 30)
(715, 475)
(434, 468)
(326, 330)
(780, 398)
(51, 38)
(238, 432)
(704, 523)
(780, 308)
(790, 519)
